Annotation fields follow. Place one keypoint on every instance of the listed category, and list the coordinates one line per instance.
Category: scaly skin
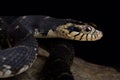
(48, 27)
(20, 34)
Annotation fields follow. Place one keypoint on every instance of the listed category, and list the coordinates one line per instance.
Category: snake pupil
(88, 29)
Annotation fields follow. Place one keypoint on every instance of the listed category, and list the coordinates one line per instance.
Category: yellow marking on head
(73, 33)
(100, 34)
(76, 32)
(78, 37)
(69, 37)
(37, 34)
(65, 31)
(93, 37)
(89, 37)
(51, 33)
(67, 25)
(84, 38)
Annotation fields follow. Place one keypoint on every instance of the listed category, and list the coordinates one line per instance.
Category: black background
(103, 14)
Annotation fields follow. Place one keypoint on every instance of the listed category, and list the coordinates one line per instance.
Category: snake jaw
(78, 32)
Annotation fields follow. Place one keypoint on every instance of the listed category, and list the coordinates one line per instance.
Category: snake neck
(45, 26)
(49, 27)
(49, 34)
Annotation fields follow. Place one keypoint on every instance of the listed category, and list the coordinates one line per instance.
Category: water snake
(21, 36)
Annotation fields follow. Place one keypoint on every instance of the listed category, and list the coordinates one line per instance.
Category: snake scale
(21, 36)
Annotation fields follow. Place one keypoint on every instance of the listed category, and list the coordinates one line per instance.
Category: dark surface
(103, 14)
(81, 70)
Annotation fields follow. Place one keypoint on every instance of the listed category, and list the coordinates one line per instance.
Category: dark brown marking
(82, 36)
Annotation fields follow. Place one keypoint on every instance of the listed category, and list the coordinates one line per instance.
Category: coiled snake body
(23, 47)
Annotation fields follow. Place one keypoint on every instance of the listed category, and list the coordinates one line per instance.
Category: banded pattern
(48, 27)
(78, 32)
(23, 47)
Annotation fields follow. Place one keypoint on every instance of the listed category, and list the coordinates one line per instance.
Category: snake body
(22, 34)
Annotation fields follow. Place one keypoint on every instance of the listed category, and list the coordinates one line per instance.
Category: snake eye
(88, 29)
(72, 28)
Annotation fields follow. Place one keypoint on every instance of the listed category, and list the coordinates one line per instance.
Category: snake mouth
(94, 36)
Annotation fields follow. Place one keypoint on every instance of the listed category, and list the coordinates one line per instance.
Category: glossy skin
(79, 32)
(48, 27)
(24, 48)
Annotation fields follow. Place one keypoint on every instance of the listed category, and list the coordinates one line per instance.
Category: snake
(22, 46)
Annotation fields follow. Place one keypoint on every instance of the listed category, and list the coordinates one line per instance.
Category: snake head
(80, 32)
